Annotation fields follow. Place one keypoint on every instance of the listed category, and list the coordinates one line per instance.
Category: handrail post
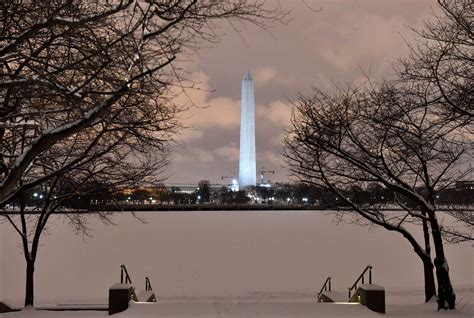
(326, 286)
(362, 279)
(122, 272)
(148, 284)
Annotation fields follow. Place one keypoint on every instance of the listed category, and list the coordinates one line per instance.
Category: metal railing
(326, 287)
(361, 277)
(148, 284)
(123, 270)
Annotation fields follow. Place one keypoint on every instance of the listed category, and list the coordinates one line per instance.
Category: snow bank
(371, 287)
(121, 286)
(256, 309)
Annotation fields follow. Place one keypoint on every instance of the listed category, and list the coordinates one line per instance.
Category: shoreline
(216, 207)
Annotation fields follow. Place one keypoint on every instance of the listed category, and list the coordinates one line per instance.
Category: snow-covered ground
(228, 264)
(261, 309)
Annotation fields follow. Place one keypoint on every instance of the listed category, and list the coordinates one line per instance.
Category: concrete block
(119, 297)
(370, 295)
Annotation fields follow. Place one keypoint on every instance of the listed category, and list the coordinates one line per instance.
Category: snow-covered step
(4, 308)
(332, 297)
(370, 295)
(147, 296)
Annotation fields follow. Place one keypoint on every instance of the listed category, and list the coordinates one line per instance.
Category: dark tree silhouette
(410, 137)
(87, 84)
(204, 191)
(389, 138)
(442, 59)
(241, 197)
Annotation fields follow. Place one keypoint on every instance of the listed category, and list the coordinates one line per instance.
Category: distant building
(464, 185)
(191, 188)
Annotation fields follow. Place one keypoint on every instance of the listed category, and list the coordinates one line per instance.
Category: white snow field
(227, 264)
(261, 309)
(282, 309)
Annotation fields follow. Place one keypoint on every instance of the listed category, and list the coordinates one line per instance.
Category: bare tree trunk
(446, 296)
(30, 270)
(430, 288)
(30, 260)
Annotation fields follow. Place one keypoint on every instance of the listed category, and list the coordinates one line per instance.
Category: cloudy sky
(347, 39)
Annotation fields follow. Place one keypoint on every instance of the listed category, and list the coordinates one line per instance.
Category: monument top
(247, 76)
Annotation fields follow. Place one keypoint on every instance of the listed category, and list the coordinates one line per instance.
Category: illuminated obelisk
(247, 164)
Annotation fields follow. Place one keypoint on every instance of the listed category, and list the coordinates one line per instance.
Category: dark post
(119, 297)
(373, 298)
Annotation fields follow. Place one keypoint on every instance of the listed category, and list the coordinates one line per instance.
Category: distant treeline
(281, 194)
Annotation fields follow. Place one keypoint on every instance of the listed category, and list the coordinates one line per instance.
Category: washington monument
(247, 164)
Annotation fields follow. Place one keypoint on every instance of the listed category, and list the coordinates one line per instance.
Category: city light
(235, 185)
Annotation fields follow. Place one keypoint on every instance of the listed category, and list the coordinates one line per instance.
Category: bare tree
(462, 228)
(84, 164)
(412, 137)
(382, 136)
(67, 65)
(443, 60)
(85, 94)
(441, 65)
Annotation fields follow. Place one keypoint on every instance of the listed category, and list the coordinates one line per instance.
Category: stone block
(370, 295)
(119, 297)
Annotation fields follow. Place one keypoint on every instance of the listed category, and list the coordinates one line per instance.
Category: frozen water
(222, 256)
